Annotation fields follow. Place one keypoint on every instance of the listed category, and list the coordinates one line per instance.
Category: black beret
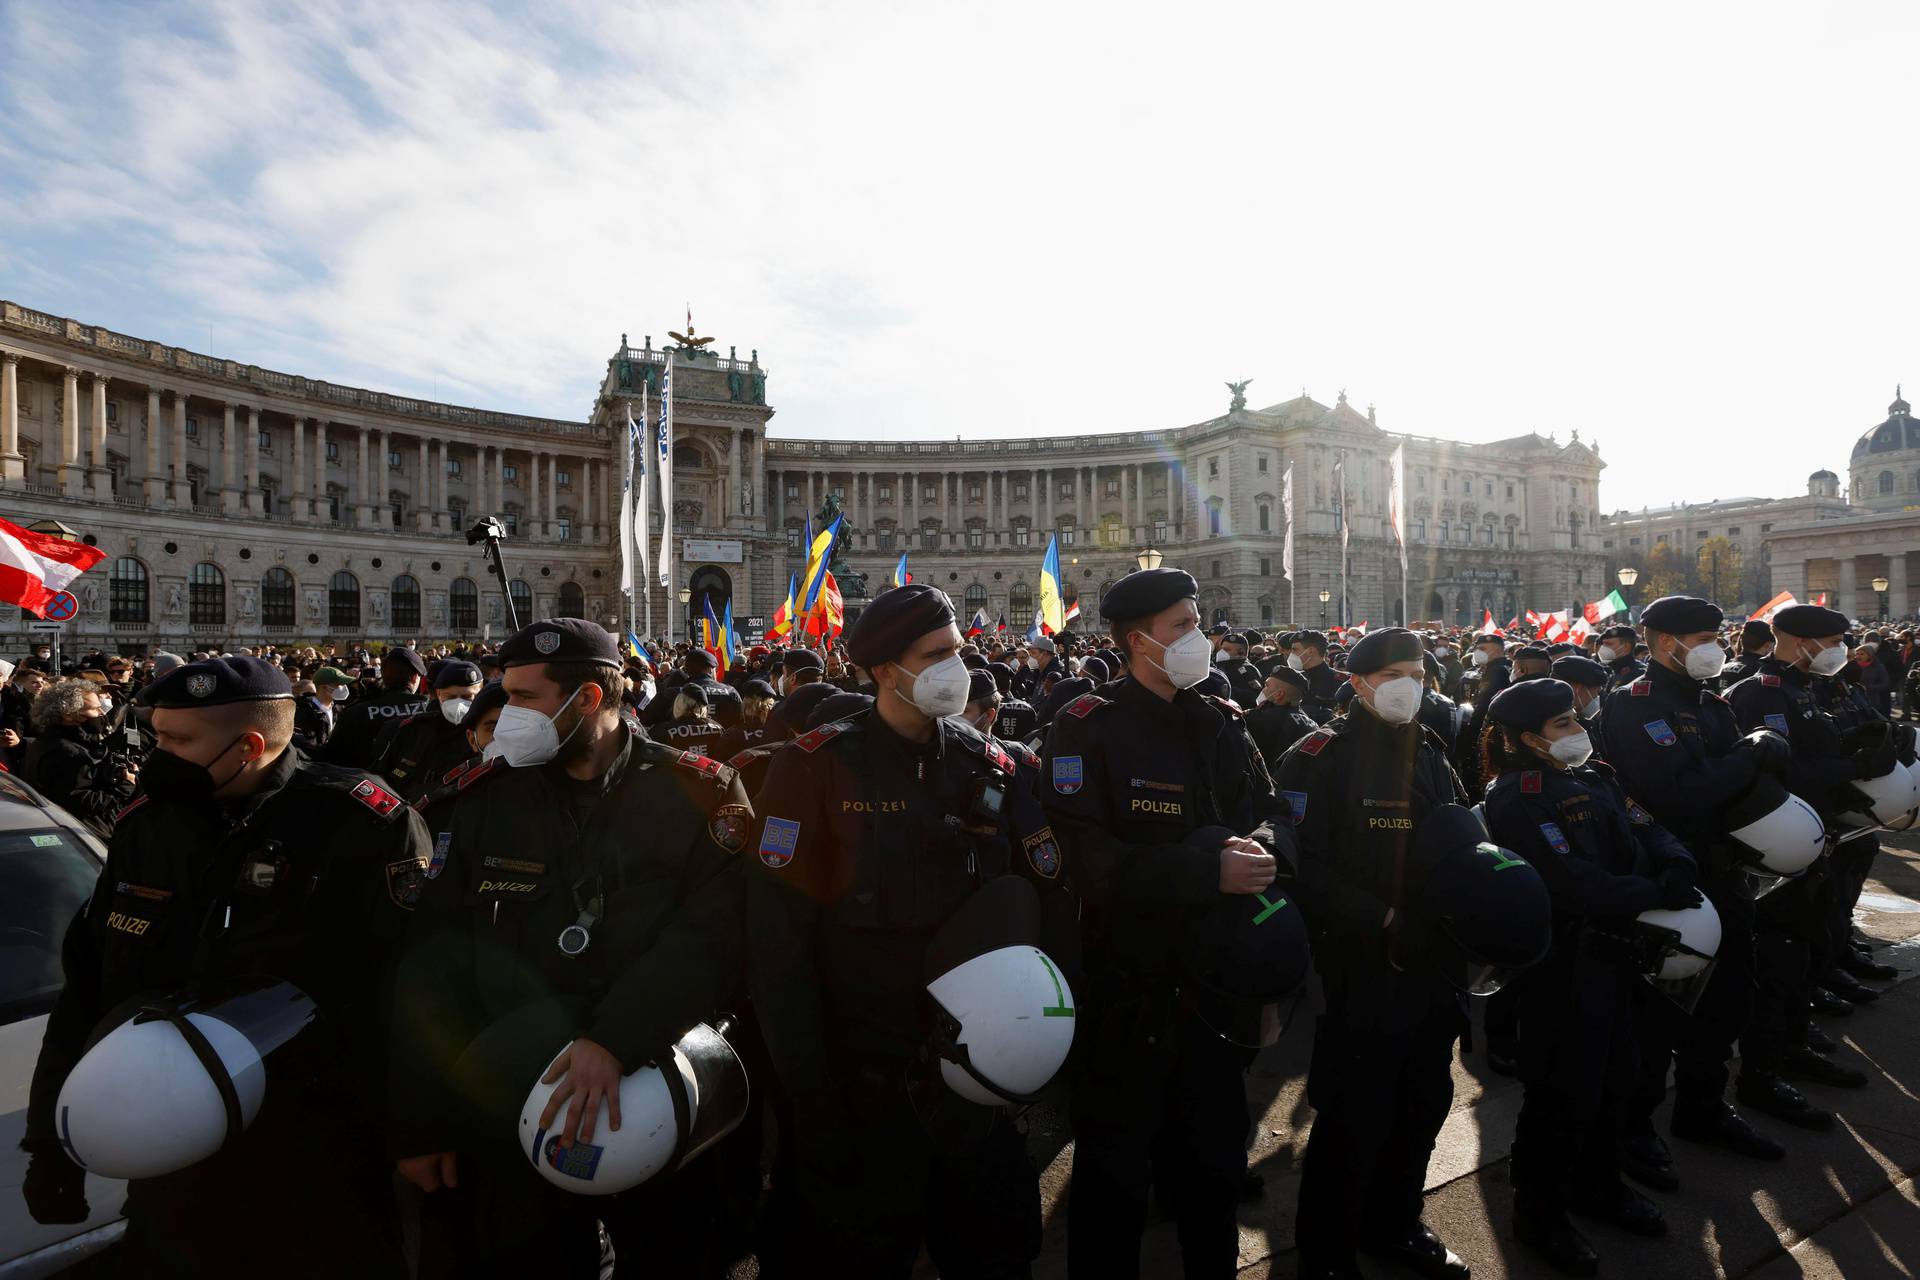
(1145, 592)
(561, 640)
(890, 625)
(789, 715)
(1216, 685)
(1431, 663)
(693, 691)
(1577, 669)
(1287, 675)
(1002, 676)
(1755, 632)
(1254, 637)
(218, 681)
(1382, 648)
(1810, 621)
(840, 705)
(699, 660)
(1094, 667)
(1531, 703)
(801, 660)
(1682, 615)
(1318, 639)
(455, 674)
(1344, 694)
(980, 685)
(1536, 652)
(1490, 637)
(973, 661)
(1555, 650)
(493, 694)
(1620, 629)
(759, 689)
(404, 657)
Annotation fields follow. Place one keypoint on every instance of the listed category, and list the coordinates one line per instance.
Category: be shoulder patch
(779, 838)
(1316, 742)
(813, 739)
(1640, 688)
(377, 798)
(1081, 707)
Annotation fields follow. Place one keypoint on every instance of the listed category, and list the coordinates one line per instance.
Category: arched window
(573, 601)
(1020, 607)
(127, 591)
(276, 598)
(406, 603)
(522, 600)
(463, 599)
(976, 600)
(206, 595)
(1886, 482)
(343, 600)
(685, 455)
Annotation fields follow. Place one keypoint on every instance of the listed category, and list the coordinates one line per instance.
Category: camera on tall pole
(491, 532)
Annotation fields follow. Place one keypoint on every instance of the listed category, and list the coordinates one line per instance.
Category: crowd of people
(561, 859)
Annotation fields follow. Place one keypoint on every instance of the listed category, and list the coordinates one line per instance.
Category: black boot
(1773, 1096)
(1647, 1160)
(1719, 1125)
(1625, 1208)
(1559, 1242)
(1419, 1251)
(1866, 968)
(1819, 1041)
(1824, 1001)
(1805, 1064)
(1503, 1055)
(1842, 984)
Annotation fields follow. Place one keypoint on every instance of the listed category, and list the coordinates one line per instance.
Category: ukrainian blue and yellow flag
(1051, 617)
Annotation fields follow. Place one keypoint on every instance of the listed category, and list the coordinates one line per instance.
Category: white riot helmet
(669, 1114)
(170, 1082)
(1689, 939)
(1006, 1014)
(1888, 800)
(1781, 832)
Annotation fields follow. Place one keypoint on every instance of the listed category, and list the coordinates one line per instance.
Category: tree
(1717, 568)
(1667, 573)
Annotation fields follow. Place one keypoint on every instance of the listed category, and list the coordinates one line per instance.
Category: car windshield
(45, 878)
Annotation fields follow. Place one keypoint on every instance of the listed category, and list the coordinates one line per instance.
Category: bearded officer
(1381, 1079)
(589, 867)
(875, 829)
(242, 859)
(1163, 805)
(425, 745)
(1679, 752)
(357, 728)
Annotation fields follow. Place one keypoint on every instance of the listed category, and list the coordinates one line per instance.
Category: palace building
(237, 504)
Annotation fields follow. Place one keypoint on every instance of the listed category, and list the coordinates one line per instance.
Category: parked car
(49, 862)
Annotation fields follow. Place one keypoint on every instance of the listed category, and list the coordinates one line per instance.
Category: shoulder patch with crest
(1081, 707)
(1661, 732)
(1556, 839)
(1043, 853)
(406, 877)
(779, 839)
(377, 798)
(1316, 742)
(813, 739)
(1069, 775)
(730, 825)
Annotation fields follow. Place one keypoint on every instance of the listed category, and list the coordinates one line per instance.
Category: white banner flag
(641, 527)
(626, 509)
(1397, 502)
(664, 461)
(1286, 514)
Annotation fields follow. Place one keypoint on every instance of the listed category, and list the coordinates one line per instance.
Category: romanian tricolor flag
(782, 628)
(713, 636)
(829, 611)
(813, 578)
(1052, 613)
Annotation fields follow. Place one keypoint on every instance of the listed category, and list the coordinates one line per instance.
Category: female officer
(1603, 860)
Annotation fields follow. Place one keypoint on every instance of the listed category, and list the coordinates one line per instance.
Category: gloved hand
(1771, 752)
(1875, 756)
(55, 1188)
(1676, 889)
(1904, 745)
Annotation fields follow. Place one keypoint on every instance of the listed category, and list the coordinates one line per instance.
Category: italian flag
(35, 567)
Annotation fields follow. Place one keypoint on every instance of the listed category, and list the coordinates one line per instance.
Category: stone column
(553, 495)
(759, 482)
(230, 498)
(302, 504)
(177, 464)
(1043, 481)
(778, 507)
(322, 507)
(253, 424)
(13, 463)
(812, 505)
(1847, 601)
(423, 491)
(910, 499)
(1897, 583)
(72, 478)
(735, 444)
(150, 478)
(1138, 518)
(946, 504)
(98, 477)
(378, 516)
(499, 479)
(1085, 511)
(442, 516)
(986, 484)
(589, 521)
(362, 510)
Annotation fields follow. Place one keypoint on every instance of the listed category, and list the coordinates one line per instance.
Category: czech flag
(1052, 613)
(979, 624)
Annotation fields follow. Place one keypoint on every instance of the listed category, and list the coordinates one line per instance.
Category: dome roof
(1898, 433)
(1823, 474)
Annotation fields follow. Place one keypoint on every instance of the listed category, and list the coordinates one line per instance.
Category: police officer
(1679, 752)
(1588, 680)
(1163, 805)
(1041, 669)
(983, 713)
(1854, 710)
(1755, 644)
(1615, 653)
(1381, 1078)
(1792, 937)
(874, 830)
(476, 730)
(1438, 712)
(757, 699)
(692, 727)
(421, 748)
(357, 729)
(1309, 658)
(1278, 722)
(1241, 674)
(1604, 861)
(541, 891)
(1018, 721)
(240, 858)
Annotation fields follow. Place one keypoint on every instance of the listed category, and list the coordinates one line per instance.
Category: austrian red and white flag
(1486, 621)
(35, 567)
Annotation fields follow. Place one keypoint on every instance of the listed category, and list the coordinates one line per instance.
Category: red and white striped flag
(35, 567)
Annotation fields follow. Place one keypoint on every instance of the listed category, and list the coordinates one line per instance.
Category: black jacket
(71, 769)
(355, 741)
(420, 750)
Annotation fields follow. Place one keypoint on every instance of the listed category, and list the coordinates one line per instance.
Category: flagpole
(627, 531)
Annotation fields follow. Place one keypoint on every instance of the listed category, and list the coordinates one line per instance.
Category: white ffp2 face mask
(1828, 661)
(523, 737)
(1295, 661)
(1705, 661)
(455, 709)
(1397, 701)
(1608, 653)
(941, 689)
(1572, 750)
(1185, 662)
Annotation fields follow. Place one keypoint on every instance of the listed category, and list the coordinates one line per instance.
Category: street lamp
(53, 528)
(1628, 576)
(1148, 559)
(1880, 588)
(1325, 595)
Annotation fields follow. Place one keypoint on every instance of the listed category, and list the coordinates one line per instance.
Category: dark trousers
(894, 1171)
(1698, 1045)
(1380, 1092)
(1852, 863)
(1577, 1052)
(1501, 1018)
(1792, 947)
(1165, 1108)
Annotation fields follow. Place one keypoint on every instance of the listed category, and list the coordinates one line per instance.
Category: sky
(1687, 231)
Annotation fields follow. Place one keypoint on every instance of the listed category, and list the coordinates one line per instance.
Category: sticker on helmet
(1661, 732)
(778, 841)
(581, 1159)
(1068, 775)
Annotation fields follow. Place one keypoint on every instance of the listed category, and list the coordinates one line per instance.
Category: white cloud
(1682, 230)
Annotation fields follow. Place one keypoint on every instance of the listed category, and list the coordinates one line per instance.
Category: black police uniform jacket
(312, 880)
(1674, 744)
(1323, 689)
(1275, 728)
(1018, 721)
(1243, 678)
(421, 750)
(512, 867)
(357, 728)
(1125, 778)
(1781, 697)
(692, 733)
(1624, 671)
(866, 843)
(1357, 791)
